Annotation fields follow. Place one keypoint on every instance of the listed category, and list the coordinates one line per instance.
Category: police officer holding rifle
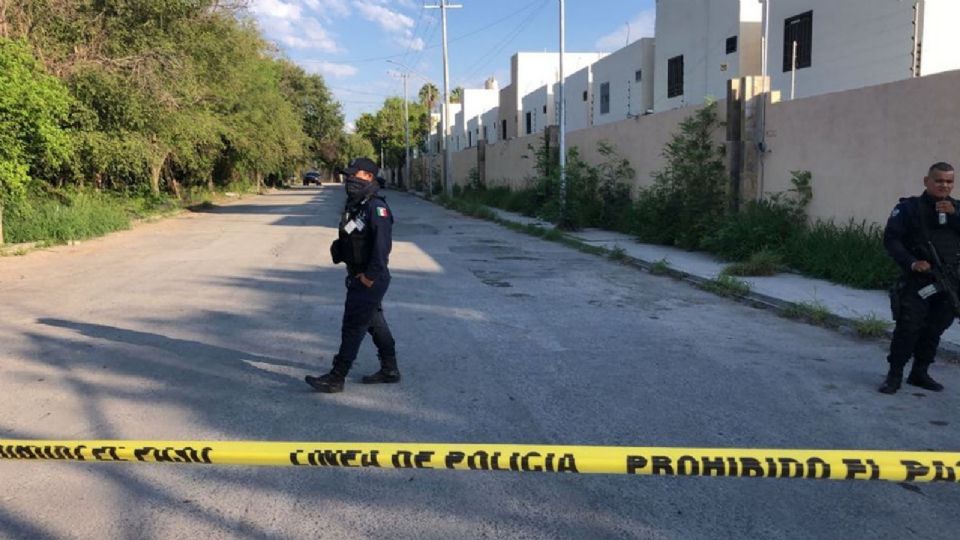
(923, 237)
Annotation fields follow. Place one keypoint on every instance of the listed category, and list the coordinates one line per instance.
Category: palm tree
(428, 96)
(457, 95)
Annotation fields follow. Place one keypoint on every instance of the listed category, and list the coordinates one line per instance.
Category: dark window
(485, 136)
(544, 109)
(503, 127)
(529, 124)
(604, 98)
(470, 138)
(675, 76)
(798, 30)
(584, 95)
(638, 75)
(731, 44)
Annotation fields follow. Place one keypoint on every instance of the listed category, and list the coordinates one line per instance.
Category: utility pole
(406, 125)
(406, 135)
(765, 40)
(445, 112)
(562, 114)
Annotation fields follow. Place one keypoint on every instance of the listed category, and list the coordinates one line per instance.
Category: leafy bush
(766, 225)
(688, 197)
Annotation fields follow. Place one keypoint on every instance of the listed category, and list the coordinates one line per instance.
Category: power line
(485, 59)
(353, 91)
(433, 32)
(433, 27)
(416, 28)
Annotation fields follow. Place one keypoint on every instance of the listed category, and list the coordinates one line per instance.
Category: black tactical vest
(356, 244)
(944, 239)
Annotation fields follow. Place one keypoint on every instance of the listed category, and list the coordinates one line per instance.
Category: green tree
(456, 96)
(33, 114)
(354, 145)
(385, 129)
(321, 117)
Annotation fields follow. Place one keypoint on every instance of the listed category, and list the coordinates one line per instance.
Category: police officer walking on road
(363, 243)
(921, 232)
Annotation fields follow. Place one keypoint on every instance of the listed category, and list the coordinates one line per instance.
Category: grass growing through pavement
(727, 286)
(814, 312)
(660, 268)
(871, 326)
(617, 254)
(762, 263)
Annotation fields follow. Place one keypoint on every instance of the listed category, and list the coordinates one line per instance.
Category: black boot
(382, 376)
(892, 382)
(330, 383)
(920, 377)
(388, 372)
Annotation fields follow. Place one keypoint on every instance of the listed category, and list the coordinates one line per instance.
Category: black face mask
(358, 190)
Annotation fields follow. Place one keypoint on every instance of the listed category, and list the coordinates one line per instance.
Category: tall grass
(59, 216)
(73, 215)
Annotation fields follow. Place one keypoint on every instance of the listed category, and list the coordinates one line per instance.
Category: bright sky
(349, 42)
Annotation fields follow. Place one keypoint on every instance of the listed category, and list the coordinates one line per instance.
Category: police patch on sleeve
(896, 212)
(383, 212)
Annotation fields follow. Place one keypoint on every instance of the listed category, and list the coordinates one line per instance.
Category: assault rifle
(945, 277)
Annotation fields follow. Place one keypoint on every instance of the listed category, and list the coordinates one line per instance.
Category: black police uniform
(921, 314)
(364, 243)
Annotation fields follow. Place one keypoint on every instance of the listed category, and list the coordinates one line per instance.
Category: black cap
(361, 164)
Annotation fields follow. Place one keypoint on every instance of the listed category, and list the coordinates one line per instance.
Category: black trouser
(362, 313)
(920, 323)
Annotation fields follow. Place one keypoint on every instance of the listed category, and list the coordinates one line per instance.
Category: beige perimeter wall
(867, 147)
(640, 140)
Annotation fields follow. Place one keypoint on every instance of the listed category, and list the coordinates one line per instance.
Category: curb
(946, 351)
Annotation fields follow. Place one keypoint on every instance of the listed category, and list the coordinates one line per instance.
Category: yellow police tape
(729, 462)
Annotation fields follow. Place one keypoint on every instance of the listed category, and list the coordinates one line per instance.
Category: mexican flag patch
(382, 212)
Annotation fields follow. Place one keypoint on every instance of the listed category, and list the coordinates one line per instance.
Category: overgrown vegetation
(596, 196)
(688, 206)
(687, 201)
(108, 108)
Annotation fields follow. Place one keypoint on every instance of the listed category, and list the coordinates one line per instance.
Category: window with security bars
(675, 76)
(604, 98)
(731, 44)
(799, 30)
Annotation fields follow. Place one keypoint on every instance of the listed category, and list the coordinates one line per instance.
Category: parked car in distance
(312, 177)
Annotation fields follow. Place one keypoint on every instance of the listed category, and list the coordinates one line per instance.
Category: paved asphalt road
(203, 326)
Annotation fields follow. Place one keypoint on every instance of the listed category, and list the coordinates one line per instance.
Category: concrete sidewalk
(779, 291)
